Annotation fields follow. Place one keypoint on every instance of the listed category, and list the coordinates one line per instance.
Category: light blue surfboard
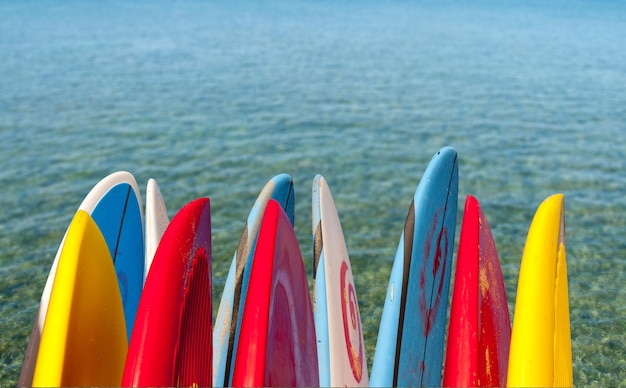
(118, 212)
(230, 312)
(410, 345)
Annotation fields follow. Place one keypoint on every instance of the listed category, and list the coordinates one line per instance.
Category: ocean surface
(214, 98)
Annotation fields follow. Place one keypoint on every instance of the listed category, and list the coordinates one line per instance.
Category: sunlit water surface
(214, 99)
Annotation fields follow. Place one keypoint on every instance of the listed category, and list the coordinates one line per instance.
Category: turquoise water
(213, 99)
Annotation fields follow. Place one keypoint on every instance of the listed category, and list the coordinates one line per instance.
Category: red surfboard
(479, 333)
(277, 337)
(171, 340)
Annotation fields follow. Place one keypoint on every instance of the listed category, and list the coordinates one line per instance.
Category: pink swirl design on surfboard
(351, 324)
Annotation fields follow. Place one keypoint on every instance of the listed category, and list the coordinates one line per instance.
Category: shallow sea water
(214, 99)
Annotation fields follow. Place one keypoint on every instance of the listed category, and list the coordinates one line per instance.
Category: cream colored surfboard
(156, 222)
(341, 353)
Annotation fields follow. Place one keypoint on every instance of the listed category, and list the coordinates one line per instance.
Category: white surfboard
(89, 205)
(156, 222)
(340, 347)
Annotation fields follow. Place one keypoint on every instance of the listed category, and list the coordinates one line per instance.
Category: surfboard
(541, 350)
(83, 342)
(479, 331)
(410, 344)
(228, 320)
(114, 199)
(171, 340)
(118, 213)
(276, 344)
(156, 222)
(341, 355)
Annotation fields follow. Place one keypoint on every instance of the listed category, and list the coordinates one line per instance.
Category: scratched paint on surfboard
(479, 331)
(409, 350)
(171, 340)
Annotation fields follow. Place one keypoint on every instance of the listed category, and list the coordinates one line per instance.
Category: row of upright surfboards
(128, 301)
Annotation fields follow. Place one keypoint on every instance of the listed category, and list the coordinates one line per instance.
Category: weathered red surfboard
(277, 338)
(479, 333)
(171, 340)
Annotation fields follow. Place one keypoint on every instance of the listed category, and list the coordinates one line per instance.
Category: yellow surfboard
(83, 342)
(541, 349)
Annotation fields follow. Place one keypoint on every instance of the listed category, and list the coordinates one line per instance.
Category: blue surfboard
(230, 312)
(410, 345)
(118, 212)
